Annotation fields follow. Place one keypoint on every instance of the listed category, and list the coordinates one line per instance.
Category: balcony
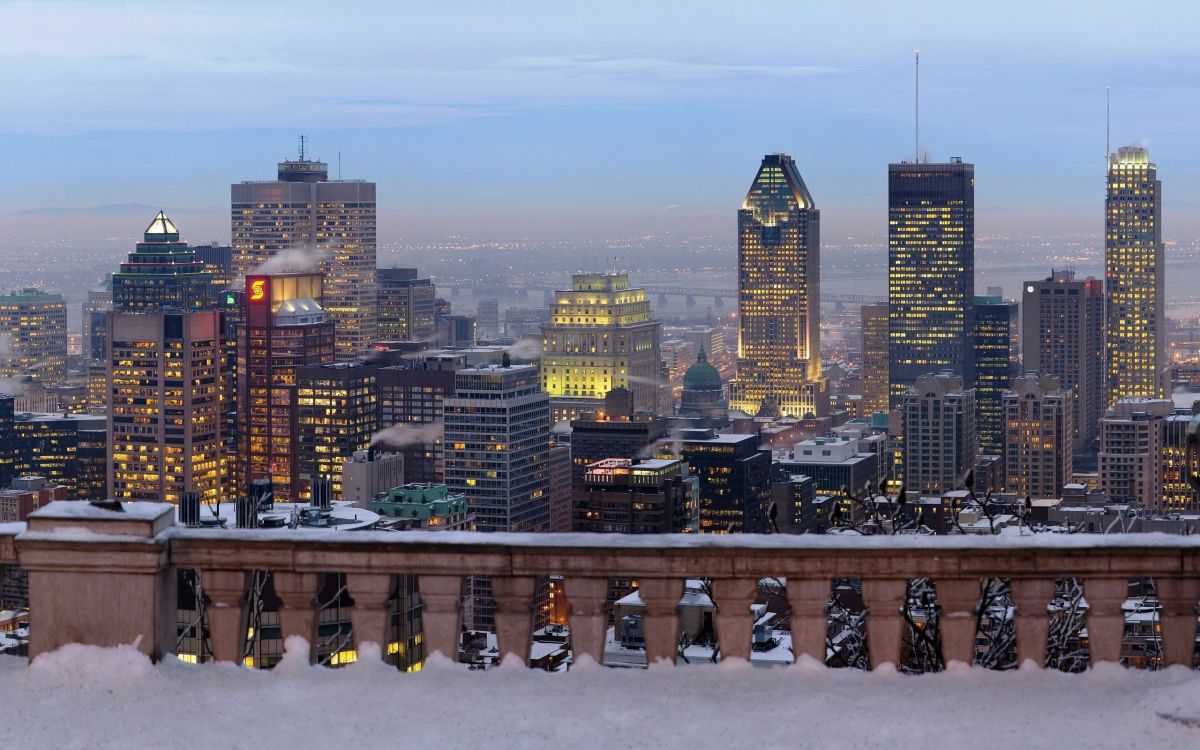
(106, 579)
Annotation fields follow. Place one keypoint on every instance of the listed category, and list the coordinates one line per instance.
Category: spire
(702, 356)
(161, 229)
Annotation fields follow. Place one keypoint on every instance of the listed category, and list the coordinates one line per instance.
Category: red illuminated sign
(256, 288)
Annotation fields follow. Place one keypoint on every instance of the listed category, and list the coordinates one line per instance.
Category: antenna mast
(302, 144)
(917, 106)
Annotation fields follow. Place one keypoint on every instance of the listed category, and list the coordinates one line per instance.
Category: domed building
(703, 395)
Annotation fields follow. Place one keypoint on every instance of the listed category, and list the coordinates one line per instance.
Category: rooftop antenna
(303, 138)
(917, 106)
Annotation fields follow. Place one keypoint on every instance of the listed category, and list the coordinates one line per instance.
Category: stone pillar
(958, 598)
(660, 617)
(226, 613)
(1031, 596)
(1105, 620)
(100, 577)
(514, 615)
(441, 597)
(735, 625)
(884, 597)
(369, 617)
(297, 611)
(810, 622)
(1178, 618)
(586, 598)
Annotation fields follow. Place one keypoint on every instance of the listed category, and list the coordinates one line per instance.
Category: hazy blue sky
(531, 118)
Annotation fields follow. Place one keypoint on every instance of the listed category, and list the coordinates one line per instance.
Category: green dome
(702, 376)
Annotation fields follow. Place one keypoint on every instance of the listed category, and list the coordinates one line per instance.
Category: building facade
(735, 480)
(1131, 449)
(874, 320)
(601, 335)
(632, 496)
(327, 223)
(405, 305)
(162, 272)
(940, 441)
(337, 413)
(995, 344)
(1040, 435)
(614, 431)
(779, 296)
(931, 272)
(33, 336)
(1135, 313)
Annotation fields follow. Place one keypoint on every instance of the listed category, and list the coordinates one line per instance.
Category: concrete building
(26, 494)
(405, 305)
(940, 442)
(1038, 449)
(431, 507)
(779, 296)
(702, 401)
(457, 331)
(799, 509)
(1135, 328)
(615, 431)
(632, 496)
(164, 405)
(874, 320)
(561, 492)
(835, 465)
(327, 222)
(601, 335)
(367, 473)
(33, 336)
(1131, 449)
(487, 318)
(931, 272)
(1062, 334)
(735, 480)
(66, 449)
(412, 397)
(336, 415)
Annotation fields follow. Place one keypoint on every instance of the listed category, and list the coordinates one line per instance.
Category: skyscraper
(779, 296)
(1131, 451)
(33, 336)
(940, 442)
(164, 405)
(874, 358)
(1062, 334)
(331, 223)
(1133, 275)
(162, 271)
(601, 336)
(405, 305)
(1039, 435)
(337, 414)
(931, 272)
(994, 340)
(285, 329)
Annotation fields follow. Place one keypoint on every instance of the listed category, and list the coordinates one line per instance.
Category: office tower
(613, 431)
(63, 449)
(995, 344)
(327, 222)
(1062, 334)
(8, 440)
(33, 336)
(1179, 464)
(412, 397)
(368, 473)
(628, 496)
(1038, 448)
(162, 271)
(874, 358)
(337, 413)
(95, 321)
(560, 487)
(164, 405)
(218, 262)
(497, 440)
(931, 272)
(456, 331)
(487, 317)
(1131, 450)
(405, 305)
(779, 296)
(703, 396)
(835, 465)
(285, 329)
(940, 441)
(601, 335)
(1135, 331)
(735, 480)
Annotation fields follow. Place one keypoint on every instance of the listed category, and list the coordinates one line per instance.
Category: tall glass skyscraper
(1133, 274)
(931, 272)
(162, 271)
(995, 340)
(779, 296)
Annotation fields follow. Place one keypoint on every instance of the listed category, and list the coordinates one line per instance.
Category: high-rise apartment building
(162, 272)
(1062, 334)
(1135, 333)
(337, 413)
(327, 222)
(995, 342)
(931, 272)
(164, 405)
(940, 441)
(497, 442)
(874, 358)
(779, 296)
(285, 329)
(33, 336)
(601, 336)
(1038, 448)
(405, 305)
(1131, 449)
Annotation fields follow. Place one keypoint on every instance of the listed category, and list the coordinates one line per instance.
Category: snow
(85, 696)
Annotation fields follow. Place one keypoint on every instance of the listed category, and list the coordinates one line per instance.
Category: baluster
(369, 617)
(1105, 620)
(226, 591)
(1178, 618)
(735, 624)
(1031, 596)
(884, 597)
(810, 622)
(441, 598)
(297, 611)
(958, 598)
(586, 598)
(514, 615)
(660, 617)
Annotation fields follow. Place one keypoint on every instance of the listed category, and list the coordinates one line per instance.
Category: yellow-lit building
(601, 336)
(779, 296)
(1135, 339)
(164, 405)
(33, 336)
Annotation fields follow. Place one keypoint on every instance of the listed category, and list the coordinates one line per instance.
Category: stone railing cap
(136, 519)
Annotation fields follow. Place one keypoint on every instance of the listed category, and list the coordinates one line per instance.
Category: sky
(522, 119)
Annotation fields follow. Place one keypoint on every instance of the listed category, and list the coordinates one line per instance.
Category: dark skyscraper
(779, 295)
(162, 271)
(995, 342)
(931, 272)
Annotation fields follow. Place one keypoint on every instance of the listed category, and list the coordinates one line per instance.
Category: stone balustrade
(102, 577)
